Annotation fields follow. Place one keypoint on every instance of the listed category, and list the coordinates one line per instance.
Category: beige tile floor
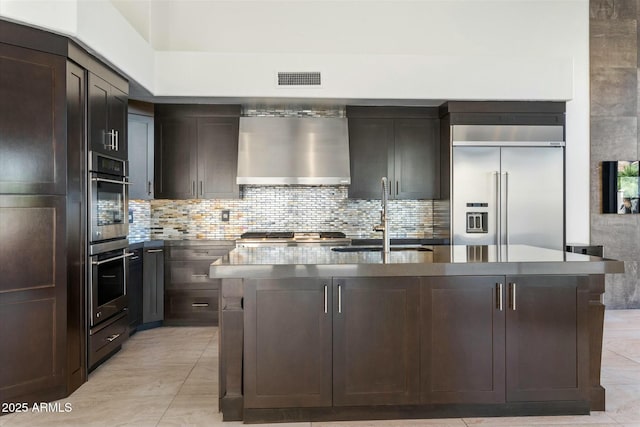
(168, 377)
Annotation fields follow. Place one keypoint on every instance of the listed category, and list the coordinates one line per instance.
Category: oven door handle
(115, 258)
(112, 181)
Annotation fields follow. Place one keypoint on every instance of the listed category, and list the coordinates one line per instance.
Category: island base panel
(354, 413)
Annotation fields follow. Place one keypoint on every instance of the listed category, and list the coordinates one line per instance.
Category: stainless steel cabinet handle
(153, 251)
(326, 305)
(512, 286)
(112, 181)
(104, 261)
(199, 275)
(193, 188)
(150, 188)
(109, 276)
(200, 304)
(339, 299)
(397, 187)
(113, 337)
(117, 140)
(201, 189)
(134, 258)
(500, 296)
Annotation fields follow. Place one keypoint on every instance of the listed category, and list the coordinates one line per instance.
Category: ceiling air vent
(299, 79)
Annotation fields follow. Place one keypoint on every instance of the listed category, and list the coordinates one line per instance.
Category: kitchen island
(311, 333)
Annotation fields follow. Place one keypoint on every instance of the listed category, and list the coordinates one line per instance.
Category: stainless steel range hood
(291, 150)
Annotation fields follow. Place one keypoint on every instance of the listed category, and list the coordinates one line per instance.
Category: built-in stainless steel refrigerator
(508, 185)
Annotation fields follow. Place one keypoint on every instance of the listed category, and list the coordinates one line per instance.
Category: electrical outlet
(225, 215)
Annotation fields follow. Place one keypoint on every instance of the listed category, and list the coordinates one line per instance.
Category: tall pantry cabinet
(43, 179)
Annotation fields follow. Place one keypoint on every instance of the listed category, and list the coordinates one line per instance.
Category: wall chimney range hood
(293, 151)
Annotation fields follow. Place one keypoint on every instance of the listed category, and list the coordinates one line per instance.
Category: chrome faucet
(384, 219)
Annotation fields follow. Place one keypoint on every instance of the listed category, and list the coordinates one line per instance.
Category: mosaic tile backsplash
(286, 208)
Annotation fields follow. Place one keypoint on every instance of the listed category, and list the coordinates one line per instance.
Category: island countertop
(443, 260)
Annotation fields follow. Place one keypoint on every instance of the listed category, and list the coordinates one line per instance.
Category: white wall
(57, 15)
(365, 49)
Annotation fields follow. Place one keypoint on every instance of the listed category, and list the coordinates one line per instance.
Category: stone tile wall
(614, 135)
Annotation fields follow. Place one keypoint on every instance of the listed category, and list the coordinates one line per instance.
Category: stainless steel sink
(379, 248)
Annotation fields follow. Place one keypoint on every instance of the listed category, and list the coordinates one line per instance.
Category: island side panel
(596, 325)
(230, 349)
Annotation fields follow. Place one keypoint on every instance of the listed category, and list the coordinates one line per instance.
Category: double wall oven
(108, 255)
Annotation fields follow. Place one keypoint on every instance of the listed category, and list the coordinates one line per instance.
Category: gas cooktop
(291, 238)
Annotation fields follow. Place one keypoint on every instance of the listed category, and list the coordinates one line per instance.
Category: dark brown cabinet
(196, 152)
(480, 333)
(288, 343)
(547, 338)
(141, 147)
(191, 297)
(134, 290)
(462, 339)
(376, 341)
(107, 118)
(153, 285)
(33, 310)
(32, 122)
(401, 144)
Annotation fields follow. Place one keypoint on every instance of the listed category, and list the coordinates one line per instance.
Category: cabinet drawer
(199, 307)
(195, 273)
(210, 253)
(104, 339)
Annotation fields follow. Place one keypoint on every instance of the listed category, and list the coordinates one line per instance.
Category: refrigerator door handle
(498, 234)
(506, 208)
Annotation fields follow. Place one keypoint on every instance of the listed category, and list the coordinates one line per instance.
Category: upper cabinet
(399, 143)
(140, 141)
(32, 121)
(107, 118)
(196, 151)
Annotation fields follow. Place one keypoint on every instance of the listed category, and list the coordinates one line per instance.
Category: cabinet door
(134, 289)
(547, 338)
(32, 122)
(417, 159)
(107, 118)
(118, 121)
(140, 146)
(33, 298)
(462, 339)
(376, 341)
(175, 158)
(287, 343)
(99, 137)
(153, 289)
(218, 158)
(370, 156)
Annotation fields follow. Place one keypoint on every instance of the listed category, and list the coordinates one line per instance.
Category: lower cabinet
(372, 341)
(153, 287)
(462, 340)
(297, 329)
(504, 339)
(197, 307)
(191, 296)
(287, 343)
(547, 338)
(134, 290)
(376, 342)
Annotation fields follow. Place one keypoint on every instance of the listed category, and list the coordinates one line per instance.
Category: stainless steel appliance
(292, 150)
(108, 279)
(290, 238)
(108, 194)
(508, 185)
